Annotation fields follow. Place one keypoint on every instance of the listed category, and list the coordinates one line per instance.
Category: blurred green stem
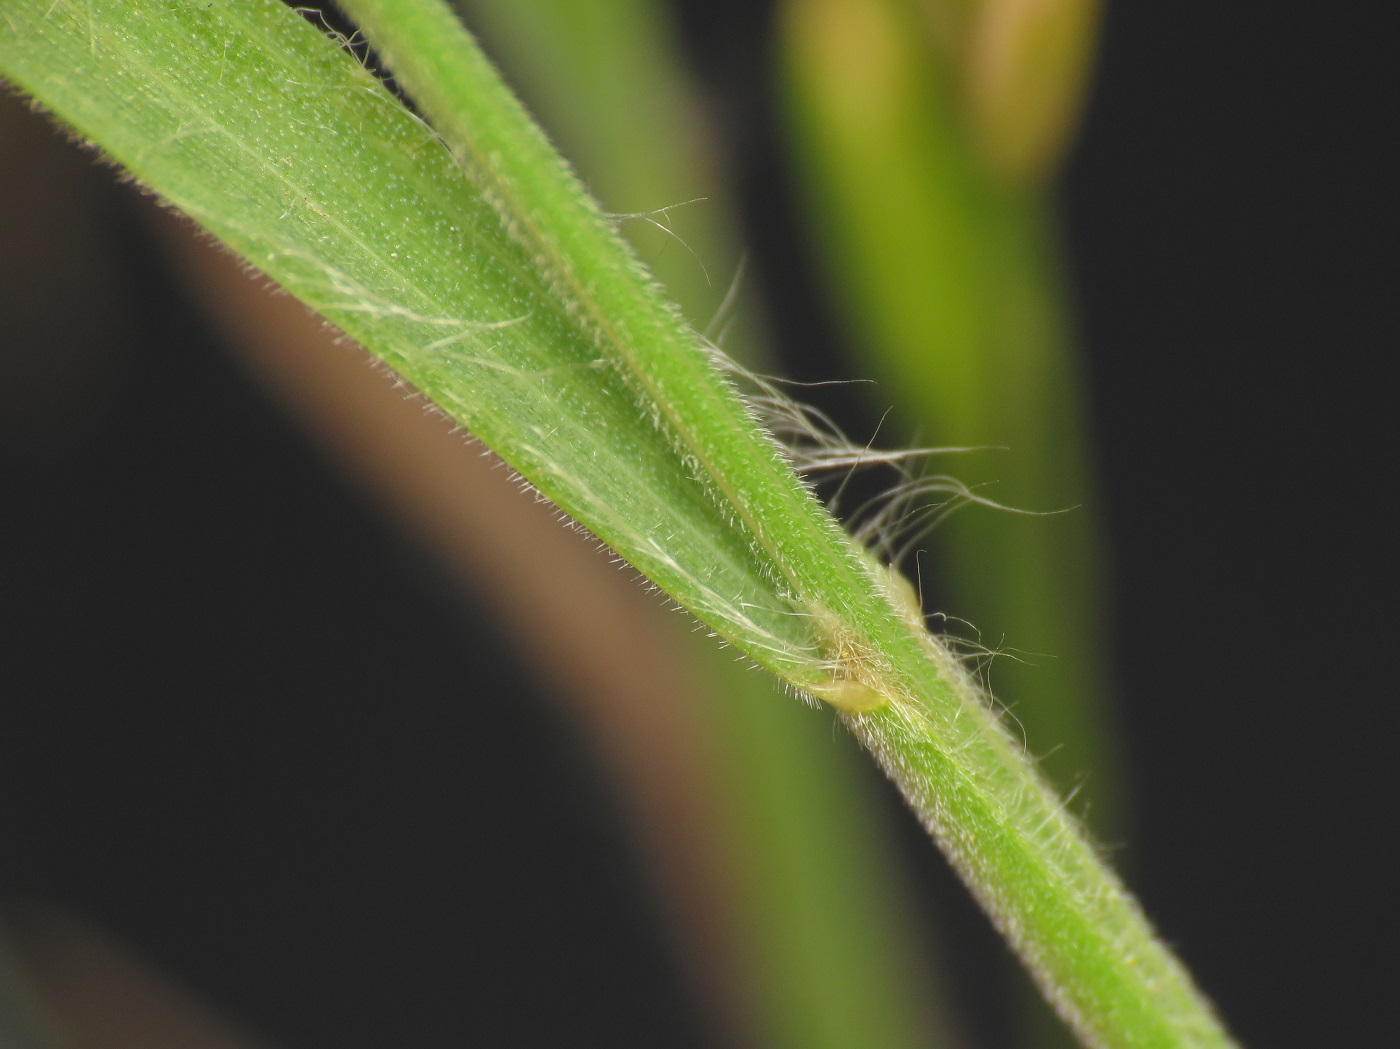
(926, 157)
(949, 278)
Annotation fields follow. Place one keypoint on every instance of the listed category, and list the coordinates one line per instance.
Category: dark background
(244, 724)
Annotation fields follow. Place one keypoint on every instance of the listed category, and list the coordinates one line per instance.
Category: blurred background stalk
(942, 253)
(928, 134)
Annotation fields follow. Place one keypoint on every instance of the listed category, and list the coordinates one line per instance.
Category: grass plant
(457, 247)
